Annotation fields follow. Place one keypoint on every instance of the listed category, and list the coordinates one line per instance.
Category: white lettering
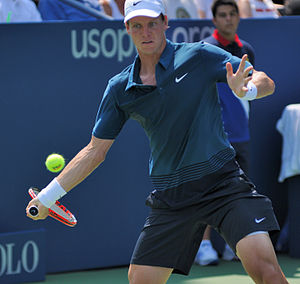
(35, 256)
(122, 52)
(206, 31)
(191, 34)
(9, 255)
(75, 52)
(109, 43)
(3, 260)
(28, 259)
(106, 34)
(94, 43)
(180, 31)
(194, 32)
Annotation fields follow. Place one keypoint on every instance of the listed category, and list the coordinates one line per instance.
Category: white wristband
(52, 192)
(251, 93)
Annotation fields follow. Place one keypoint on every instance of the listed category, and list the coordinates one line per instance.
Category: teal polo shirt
(181, 115)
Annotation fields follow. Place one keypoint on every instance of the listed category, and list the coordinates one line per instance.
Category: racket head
(57, 210)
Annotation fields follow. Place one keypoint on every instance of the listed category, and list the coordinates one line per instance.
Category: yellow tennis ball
(55, 163)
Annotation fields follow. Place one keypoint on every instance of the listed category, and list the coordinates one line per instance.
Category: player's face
(148, 34)
(226, 20)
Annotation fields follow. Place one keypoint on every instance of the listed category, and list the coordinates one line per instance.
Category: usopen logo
(109, 43)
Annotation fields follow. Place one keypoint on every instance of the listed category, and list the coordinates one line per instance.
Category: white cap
(147, 8)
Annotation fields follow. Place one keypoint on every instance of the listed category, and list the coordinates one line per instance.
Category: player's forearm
(264, 84)
(83, 164)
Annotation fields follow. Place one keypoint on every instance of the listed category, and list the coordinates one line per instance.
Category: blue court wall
(52, 76)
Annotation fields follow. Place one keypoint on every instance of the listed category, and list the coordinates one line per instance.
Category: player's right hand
(43, 210)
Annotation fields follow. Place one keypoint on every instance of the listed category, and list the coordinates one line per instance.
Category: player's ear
(214, 21)
(165, 18)
(127, 27)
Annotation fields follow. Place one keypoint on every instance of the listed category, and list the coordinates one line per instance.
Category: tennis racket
(56, 211)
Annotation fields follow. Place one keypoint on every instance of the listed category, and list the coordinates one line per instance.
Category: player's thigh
(144, 274)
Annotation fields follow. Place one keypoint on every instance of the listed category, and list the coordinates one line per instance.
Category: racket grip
(33, 211)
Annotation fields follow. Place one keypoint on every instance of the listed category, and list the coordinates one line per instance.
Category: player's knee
(265, 273)
(133, 277)
(140, 274)
(130, 275)
(272, 274)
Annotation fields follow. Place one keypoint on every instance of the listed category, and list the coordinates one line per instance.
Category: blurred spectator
(18, 11)
(292, 7)
(52, 10)
(204, 9)
(113, 8)
(177, 9)
(235, 112)
(257, 9)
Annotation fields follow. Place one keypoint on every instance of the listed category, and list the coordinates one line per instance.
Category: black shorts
(171, 238)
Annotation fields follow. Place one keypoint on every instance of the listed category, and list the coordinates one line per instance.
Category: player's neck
(148, 66)
(228, 36)
(147, 73)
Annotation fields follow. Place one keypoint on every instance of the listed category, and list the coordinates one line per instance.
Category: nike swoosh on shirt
(177, 80)
(137, 2)
(257, 221)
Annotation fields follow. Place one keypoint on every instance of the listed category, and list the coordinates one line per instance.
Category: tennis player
(170, 89)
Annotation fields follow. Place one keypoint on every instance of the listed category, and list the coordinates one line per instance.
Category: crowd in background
(48, 10)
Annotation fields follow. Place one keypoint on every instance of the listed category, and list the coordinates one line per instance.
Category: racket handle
(33, 211)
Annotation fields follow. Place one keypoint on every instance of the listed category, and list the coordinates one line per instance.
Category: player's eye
(152, 24)
(136, 26)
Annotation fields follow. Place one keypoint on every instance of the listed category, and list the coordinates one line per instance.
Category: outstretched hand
(239, 80)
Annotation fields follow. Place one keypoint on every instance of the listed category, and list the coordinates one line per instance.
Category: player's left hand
(239, 80)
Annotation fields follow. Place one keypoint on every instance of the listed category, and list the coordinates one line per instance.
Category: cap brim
(141, 12)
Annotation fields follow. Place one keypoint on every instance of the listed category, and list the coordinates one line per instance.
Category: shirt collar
(224, 41)
(167, 55)
(165, 60)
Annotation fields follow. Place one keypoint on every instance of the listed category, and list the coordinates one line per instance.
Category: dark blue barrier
(22, 256)
(52, 77)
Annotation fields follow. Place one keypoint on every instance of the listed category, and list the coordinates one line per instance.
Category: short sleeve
(110, 118)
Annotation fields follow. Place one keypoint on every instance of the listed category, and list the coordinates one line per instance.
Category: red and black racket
(56, 211)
